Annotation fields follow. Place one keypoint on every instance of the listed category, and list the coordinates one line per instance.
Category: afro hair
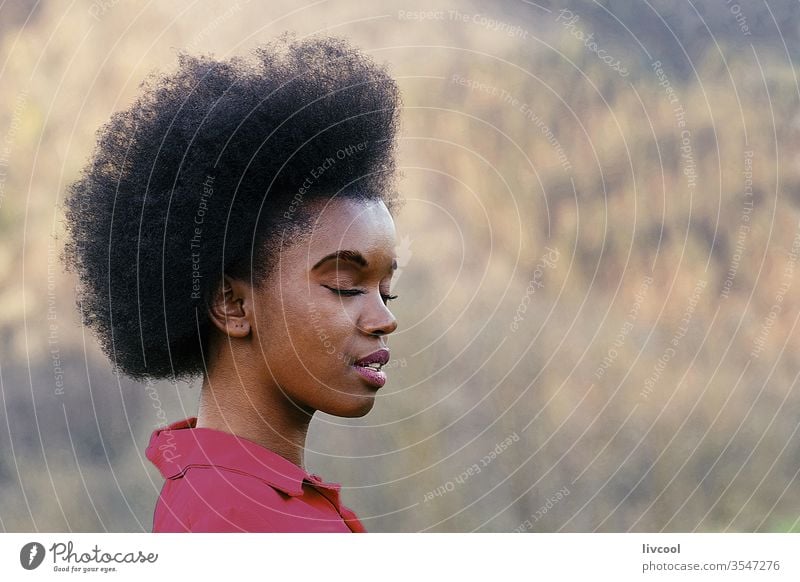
(209, 167)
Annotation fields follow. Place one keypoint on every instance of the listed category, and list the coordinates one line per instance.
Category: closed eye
(345, 292)
(354, 292)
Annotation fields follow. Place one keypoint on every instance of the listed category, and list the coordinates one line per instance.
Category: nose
(376, 319)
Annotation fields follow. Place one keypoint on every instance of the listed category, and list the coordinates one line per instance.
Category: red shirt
(218, 482)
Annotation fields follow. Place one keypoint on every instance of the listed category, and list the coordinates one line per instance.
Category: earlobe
(228, 311)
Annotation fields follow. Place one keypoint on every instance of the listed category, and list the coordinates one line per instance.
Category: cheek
(309, 332)
(327, 326)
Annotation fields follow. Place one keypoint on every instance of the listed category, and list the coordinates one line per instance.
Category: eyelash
(354, 292)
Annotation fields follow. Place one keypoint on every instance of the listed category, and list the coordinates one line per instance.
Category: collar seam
(293, 491)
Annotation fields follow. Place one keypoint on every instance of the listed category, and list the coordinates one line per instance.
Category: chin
(356, 407)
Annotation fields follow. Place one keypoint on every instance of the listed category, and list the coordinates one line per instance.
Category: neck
(241, 404)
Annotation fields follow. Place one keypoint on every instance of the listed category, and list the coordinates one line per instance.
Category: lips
(369, 367)
(380, 356)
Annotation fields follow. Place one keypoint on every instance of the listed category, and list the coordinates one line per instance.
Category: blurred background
(598, 265)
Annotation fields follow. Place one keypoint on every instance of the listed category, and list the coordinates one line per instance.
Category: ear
(230, 307)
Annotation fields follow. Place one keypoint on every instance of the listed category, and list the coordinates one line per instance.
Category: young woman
(235, 223)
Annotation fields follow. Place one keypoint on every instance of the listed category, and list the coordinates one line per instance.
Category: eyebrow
(354, 257)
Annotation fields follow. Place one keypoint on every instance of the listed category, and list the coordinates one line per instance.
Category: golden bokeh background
(598, 265)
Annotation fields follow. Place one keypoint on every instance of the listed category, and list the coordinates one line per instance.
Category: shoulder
(213, 499)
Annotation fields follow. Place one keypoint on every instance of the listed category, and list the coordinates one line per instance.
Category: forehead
(347, 224)
(349, 219)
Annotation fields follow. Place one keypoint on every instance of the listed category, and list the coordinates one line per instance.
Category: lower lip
(377, 379)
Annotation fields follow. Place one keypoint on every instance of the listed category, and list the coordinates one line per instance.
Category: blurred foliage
(490, 96)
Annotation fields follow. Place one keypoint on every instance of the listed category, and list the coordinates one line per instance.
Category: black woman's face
(322, 309)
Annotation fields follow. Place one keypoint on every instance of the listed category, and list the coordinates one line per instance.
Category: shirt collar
(181, 445)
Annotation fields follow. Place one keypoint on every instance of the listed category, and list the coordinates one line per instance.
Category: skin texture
(283, 350)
